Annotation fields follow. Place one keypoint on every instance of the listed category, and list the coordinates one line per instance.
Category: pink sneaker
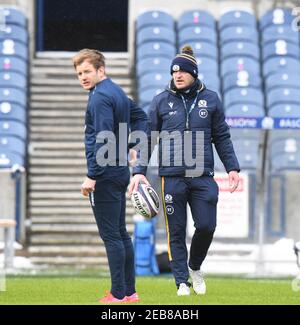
(109, 299)
(133, 298)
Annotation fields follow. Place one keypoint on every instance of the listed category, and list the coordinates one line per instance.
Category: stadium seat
(14, 16)
(197, 34)
(14, 64)
(283, 96)
(151, 49)
(13, 128)
(9, 159)
(210, 80)
(152, 64)
(285, 111)
(155, 34)
(283, 79)
(281, 134)
(237, 18)
(243, 96)
(281, 64)
(13, 144)
(238, 34)
(10, 47)
(146, 96)
(13, 95)
(11, 111)
(273, 33)
(247, 151)
(194, 18)
(154, 79)
(203, 49)
(244, 133)
(241, 79)
(241, 49)
(278, 17)
(13, 80)
(236, 64)
(280, 48)
(244, 110)
(15, 33)
(287, 145)
(154, 18)
(206, 64)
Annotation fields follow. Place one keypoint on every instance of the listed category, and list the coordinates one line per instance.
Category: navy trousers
(108, 203)
(202, 195)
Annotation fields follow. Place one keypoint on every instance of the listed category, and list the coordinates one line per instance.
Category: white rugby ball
(145, 201)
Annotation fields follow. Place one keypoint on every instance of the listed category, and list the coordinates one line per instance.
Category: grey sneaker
(183, 290)
(198, 282)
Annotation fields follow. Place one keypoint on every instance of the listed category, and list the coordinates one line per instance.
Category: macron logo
(171, 104)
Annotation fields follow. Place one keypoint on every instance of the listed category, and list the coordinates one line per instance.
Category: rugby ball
(145, 201)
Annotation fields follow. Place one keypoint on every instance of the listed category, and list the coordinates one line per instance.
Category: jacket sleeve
(102, 119)
(153, 124)
(221, 139)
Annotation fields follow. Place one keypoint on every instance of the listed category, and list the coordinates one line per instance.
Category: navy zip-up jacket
(108, 106)
(169, 111)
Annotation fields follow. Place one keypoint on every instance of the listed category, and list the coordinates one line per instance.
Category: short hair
(95, 57)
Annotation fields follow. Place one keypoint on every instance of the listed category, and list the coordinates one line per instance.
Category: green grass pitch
(78, 290)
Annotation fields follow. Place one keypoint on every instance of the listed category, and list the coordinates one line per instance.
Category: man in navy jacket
(186, 107)
(108, 173)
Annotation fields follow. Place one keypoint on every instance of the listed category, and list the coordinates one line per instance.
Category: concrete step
(54, 180)
(68, 250)
(60, 97)
(57, 114)
(64, 210)
(62, 239)
(46, 187)
(58, 105)
(56, 137)
(46, 171)
(64, 228)
(57, 154)
(64, 220)
(58, 162)
(79, 261)
(56, 146)
(45, 120)
(56, 129)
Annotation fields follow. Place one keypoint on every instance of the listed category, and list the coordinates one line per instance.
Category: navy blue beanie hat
(185, 61)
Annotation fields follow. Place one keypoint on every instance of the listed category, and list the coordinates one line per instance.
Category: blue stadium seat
(197, 34)
(15, 64)
(210, 80)
(237, 18)
(283, 96)
(154, 34)
(280, 48)
(9, 159)
(239, 34)
(206, 64)
(13, 128)
(273, 33)
(152, 49)
(244, 49)
(236, 64)
(243, 96)
(283, 79)
(153, 64)
(13, 95)
(245, 110)
(203, 49)
(194, 18)
(241, 79)
(247, 151)
(14, 16)
(11, 111)
(14, 32)
(278, 17)
(10, 47)
(285, 110)
(281, 64)
(154, 79)
(154, 18)
(285, 161)
(146, 96)
(240, 133)
(12, 144)
(13, 79)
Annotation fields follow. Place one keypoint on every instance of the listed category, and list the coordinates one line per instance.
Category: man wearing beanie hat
(187, 107)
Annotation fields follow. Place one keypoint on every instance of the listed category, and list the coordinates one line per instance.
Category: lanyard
(188, 112)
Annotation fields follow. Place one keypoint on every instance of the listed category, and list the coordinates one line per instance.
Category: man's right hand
(88, 186)
(136, 179)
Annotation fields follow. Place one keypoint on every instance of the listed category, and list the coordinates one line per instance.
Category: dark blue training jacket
(108, 106)
(168, 113)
